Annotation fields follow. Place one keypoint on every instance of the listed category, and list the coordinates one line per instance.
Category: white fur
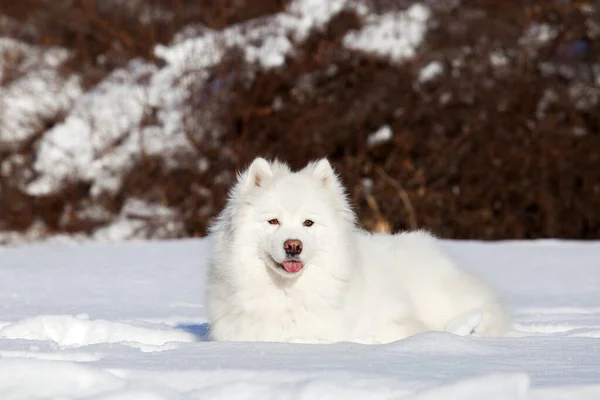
(354, 286)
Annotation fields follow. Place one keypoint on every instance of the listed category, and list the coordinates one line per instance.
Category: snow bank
(68, 331)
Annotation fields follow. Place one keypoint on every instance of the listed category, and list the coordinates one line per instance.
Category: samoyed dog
(291, 265)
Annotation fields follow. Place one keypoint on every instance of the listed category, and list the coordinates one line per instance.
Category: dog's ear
(323, 170)
(259, 170)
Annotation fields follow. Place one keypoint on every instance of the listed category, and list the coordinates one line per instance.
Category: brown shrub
(505, 143)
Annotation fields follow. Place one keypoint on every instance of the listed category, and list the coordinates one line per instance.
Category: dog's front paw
(466, 324)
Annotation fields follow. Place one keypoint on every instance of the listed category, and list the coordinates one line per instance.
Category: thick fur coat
(291, 265)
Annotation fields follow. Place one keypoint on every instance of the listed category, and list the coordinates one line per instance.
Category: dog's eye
(308, 222)
(274, 221)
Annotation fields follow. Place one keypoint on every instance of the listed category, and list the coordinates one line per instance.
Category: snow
(122, 321)
(103, 134)
(33, 91)
(106, 130)
(99, 135)
(127, 321)
(138, 215)
(430, 71)
(537, 35)
(394, 34)
(265, 42)
(382, 135)
(498, 58)
(70, 331)
(540, 33)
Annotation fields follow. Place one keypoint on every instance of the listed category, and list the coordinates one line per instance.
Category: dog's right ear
(257, 173)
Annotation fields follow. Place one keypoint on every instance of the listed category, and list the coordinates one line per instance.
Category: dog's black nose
(292, 247)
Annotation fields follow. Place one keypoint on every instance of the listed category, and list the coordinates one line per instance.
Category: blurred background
(128, 119)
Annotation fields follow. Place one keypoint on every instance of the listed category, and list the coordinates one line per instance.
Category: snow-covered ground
(126, 321)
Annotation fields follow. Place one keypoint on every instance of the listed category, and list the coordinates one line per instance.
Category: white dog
(289, 264)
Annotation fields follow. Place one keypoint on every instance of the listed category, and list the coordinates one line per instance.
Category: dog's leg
(490, 321)
(466, 323)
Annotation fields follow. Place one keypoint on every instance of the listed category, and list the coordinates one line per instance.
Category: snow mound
(51, 355)
(69, 331)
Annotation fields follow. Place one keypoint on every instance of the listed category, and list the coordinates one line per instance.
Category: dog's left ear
(322, 169)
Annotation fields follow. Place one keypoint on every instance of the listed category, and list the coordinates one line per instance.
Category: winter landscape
(123, 124)
(126, 321)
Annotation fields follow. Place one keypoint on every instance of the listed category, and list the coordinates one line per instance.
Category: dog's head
(290, 218)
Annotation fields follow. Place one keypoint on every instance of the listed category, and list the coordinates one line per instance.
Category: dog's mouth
(292, 266)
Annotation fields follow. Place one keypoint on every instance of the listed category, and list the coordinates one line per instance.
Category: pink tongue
(292, 266)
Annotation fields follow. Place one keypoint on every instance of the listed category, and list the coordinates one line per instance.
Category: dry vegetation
(505, 143)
